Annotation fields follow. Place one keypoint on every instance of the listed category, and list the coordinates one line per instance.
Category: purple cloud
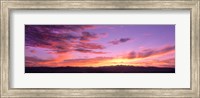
(89, 51)
(61, 38)
(34, 61)
(122, 40)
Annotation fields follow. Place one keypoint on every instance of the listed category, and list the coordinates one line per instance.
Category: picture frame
(7, 6)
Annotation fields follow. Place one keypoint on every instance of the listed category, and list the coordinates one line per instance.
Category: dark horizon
(102, 69)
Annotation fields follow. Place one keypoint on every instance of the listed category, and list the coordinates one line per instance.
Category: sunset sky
(99, 45)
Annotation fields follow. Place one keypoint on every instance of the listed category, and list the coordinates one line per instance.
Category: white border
(180, 79)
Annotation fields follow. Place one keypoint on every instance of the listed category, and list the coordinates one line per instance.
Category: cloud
(89, 51)
(102, 61)
(122, 40)
(90, 46)
(150, 52)
(170, 62)
(32, 51)
(38, 61)
(61, 38)
(56, 42)
(37, 36)
(108, 61)
(87, 36)
(132, 54)
(55, 28)
(32, 61)
(63, 61)
(40, 53)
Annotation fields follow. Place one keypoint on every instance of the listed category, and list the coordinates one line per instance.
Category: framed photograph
(112, 48)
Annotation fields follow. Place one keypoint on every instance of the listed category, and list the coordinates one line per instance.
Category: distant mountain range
(103, 69)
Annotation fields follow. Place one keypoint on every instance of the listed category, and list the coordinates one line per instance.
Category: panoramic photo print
(100, 48)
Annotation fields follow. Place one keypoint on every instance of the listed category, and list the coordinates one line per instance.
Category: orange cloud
(156, 63)
(35, 61)
(61, 61)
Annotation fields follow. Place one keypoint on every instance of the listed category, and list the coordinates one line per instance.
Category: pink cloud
(150, 52)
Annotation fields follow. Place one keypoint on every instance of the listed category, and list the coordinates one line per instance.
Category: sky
(99, 45)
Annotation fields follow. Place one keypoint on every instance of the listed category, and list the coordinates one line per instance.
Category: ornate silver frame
(8, 5)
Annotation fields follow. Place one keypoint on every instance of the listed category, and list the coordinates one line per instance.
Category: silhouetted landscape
(104, 69)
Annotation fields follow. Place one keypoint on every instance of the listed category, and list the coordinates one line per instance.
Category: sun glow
(120, 61)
